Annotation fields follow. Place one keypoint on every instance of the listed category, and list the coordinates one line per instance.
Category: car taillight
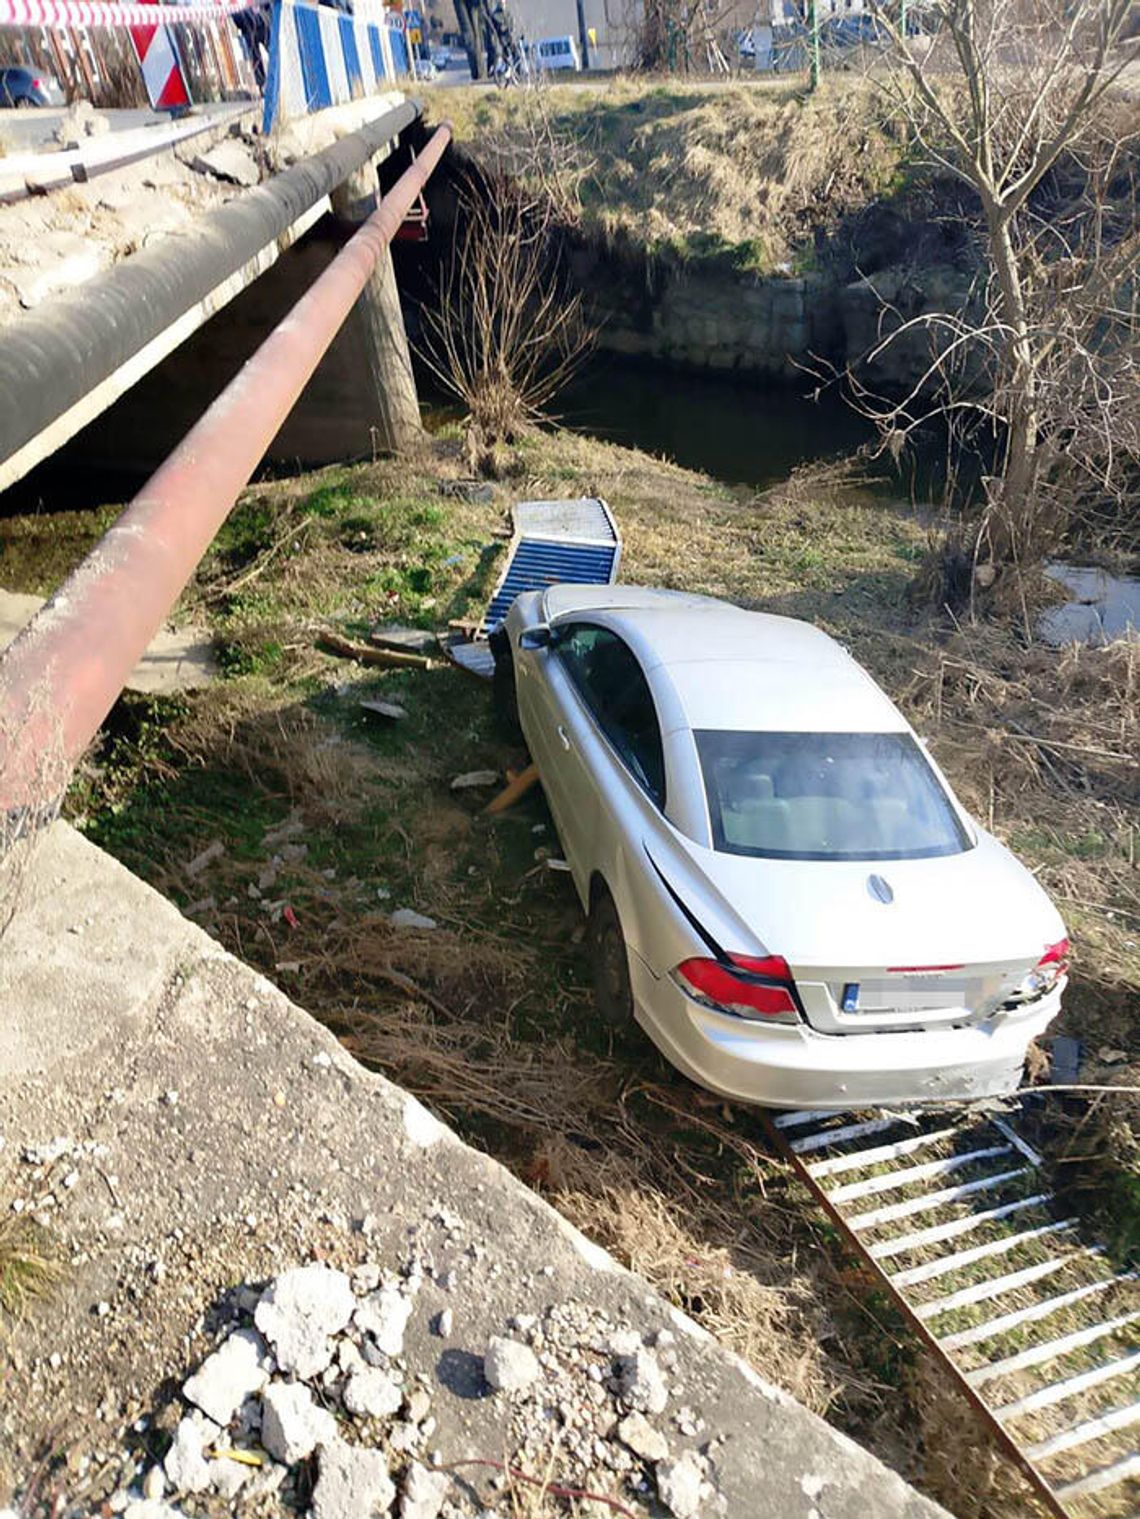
(1053, 964)
(759, 989)
(37, 84)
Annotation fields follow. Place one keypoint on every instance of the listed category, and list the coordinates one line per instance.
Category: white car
(782, 889)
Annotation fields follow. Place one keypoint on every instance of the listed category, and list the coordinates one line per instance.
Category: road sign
(161, 67)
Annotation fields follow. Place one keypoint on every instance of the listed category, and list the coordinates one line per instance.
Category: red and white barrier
(61, 13)
(161, 66)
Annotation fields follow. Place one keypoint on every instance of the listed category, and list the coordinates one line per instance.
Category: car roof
(731, 669)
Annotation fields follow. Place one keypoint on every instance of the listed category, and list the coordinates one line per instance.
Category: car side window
(612, 684)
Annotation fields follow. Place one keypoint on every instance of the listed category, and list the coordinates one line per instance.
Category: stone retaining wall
(764, 327)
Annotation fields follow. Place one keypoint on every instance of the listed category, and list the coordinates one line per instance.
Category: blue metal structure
(574, 541)
(320, 57)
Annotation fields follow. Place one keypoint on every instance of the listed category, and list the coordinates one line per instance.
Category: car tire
(609, 962)
(504, 696)
(23, 103)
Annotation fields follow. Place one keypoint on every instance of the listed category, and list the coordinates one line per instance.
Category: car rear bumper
(786, 1067)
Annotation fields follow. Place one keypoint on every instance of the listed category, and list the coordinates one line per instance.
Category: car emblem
(880, 889)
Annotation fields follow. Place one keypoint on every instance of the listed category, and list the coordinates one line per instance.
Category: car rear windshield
(826, 796)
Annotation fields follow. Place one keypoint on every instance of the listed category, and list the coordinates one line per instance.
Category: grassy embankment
(489, 1016)
(744, 174)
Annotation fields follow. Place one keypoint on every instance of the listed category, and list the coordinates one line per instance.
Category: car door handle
(563, 736)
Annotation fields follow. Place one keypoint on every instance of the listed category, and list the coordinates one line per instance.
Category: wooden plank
(982, 1292)
(929, 1270)
(1082, 1434)
(873, 1157)
(1028, 1315)
(939, 1232)
(828, 1137)
(1100, 1481)
(874, 1217)
(334, 643)
(511, 793)
(1036, 1355)
(1069, 1387)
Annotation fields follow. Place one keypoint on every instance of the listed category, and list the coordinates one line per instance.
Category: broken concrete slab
(274, 1141)
(408, 640)
(230, 161)
(181, 660)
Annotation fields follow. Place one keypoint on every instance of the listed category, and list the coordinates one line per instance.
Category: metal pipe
(62, 675)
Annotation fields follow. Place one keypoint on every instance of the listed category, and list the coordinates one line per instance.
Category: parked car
(24, 88)
(425, 69)
(441, 57)
(782, 888)
(552, 53)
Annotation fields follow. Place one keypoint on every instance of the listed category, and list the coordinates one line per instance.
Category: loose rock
(353, 1483)
(384, 1315)
(225, 1379)
(424, 1492)
(642, 1384)
(372, 1393)
(509, 1366)
(679, 1485)
(471, 779)
(407, 917)
(300, 1311)
(186, 1467)
(636, 1431)
(230, 161)
(292, 1426)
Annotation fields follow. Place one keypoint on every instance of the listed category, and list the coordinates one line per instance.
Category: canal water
(739, 432)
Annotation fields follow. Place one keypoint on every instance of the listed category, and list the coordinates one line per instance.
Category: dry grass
(28, 1266)
(684, 168)
(289, 749)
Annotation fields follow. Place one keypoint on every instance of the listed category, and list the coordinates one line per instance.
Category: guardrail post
(381, 324)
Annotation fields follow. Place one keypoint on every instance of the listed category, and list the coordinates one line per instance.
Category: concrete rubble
(50, 244)
(290, 1289)
(230, 161)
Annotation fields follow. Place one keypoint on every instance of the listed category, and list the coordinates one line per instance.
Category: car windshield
(826, 796)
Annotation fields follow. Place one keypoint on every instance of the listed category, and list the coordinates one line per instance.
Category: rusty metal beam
(62, 675)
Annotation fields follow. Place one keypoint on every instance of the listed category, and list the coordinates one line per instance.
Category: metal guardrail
(952, 1213)
(62, 675)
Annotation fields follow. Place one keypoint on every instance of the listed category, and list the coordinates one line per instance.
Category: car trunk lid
(891, 944)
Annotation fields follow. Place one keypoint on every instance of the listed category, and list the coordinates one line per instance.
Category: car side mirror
(538, 637)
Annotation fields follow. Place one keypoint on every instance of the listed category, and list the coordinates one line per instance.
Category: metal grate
(574, 541)
(950, 1210)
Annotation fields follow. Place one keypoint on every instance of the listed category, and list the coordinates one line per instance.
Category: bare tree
(1016, 99)
(506, 333)
(690, 36)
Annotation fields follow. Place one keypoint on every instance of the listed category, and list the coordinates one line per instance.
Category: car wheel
(23, 103)
(609, 960)
(504, 696)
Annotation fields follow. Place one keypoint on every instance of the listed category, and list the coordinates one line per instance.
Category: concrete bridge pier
(381, 324)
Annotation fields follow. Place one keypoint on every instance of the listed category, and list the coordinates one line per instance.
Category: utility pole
(583, 35)
(813, 44)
